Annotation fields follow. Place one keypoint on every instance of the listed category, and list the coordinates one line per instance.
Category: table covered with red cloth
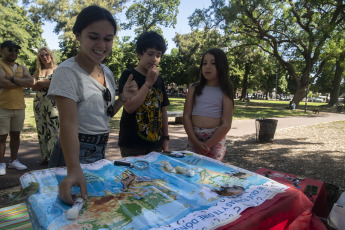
(320, 199)
(289, 210)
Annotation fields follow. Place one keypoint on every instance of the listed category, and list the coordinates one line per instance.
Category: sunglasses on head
(11, 49)
(107, 98)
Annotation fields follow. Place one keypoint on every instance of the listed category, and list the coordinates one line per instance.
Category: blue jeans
(89, 153)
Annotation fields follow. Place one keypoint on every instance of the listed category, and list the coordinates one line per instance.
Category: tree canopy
(146, 15)
(25, 30)
(269, 44)
(64, 13)
(294, 32)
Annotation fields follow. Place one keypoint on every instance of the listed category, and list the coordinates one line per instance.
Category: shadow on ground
(291, 155)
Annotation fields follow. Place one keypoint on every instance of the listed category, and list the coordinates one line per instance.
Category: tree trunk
(245, 81)
(299, 95)
(337, 80)
(302, 85)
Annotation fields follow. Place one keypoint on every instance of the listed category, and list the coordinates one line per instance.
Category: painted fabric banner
(210, 194)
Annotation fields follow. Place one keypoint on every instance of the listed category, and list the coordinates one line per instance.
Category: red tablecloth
(320, 199)
(289, 210)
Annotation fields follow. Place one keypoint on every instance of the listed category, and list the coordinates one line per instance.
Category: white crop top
(209, 103)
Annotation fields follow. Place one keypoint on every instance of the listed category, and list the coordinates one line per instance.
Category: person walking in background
(13, 79)
(46, 114)
(144, 121)
(209, 106)
(84, 90)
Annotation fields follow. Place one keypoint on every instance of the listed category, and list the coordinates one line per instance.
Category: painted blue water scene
(157, 191)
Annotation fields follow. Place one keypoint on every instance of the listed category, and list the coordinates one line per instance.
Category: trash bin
(265, 129)
(340, 108)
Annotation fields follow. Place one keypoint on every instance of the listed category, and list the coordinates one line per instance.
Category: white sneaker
(16, 165)
(2, 169)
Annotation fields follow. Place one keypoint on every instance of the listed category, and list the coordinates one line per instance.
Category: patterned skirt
(203, 134)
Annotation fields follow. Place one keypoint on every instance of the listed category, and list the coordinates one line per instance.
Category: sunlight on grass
(30, 123)
(176, 104)
(243, 110)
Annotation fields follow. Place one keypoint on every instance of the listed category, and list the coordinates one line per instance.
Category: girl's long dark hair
(222, 66)
(90, 15)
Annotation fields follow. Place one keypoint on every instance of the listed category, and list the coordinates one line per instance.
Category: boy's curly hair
(150, 39)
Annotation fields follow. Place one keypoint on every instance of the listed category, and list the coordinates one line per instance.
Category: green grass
(29, 123)
(243, 110)
(176, 104)
(260, 108)
(268, 109)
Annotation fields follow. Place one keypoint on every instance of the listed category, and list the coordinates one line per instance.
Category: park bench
(178, 116)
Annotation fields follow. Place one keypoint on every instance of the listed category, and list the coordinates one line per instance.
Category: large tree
(336, 53)
(122, 57)
(250, 61)
(294, 32)
(171, 67)
(64, 13)
(17, 26)
(147, 15)
(329, 81)
(191, 48)
(338, 77)
(330, 78)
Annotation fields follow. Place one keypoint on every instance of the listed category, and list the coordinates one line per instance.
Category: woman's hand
(73, 178)
(40, 84)
(130, 89)
(37, 85)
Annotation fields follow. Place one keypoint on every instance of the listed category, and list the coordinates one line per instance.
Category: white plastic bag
(336, 218)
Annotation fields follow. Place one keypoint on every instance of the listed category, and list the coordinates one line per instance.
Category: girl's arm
(70, 146)
(35, 87)
(40, 83)
(187, 122)
(165, 128)
(226, 120)
(43, 83)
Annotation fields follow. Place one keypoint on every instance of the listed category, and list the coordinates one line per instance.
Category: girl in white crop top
(209, 106)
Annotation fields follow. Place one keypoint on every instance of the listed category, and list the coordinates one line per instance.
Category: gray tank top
(209, 103)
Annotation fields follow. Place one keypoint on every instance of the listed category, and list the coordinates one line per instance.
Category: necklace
(99, 71)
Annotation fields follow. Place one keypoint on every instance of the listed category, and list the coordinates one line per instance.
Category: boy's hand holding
(152, 75)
